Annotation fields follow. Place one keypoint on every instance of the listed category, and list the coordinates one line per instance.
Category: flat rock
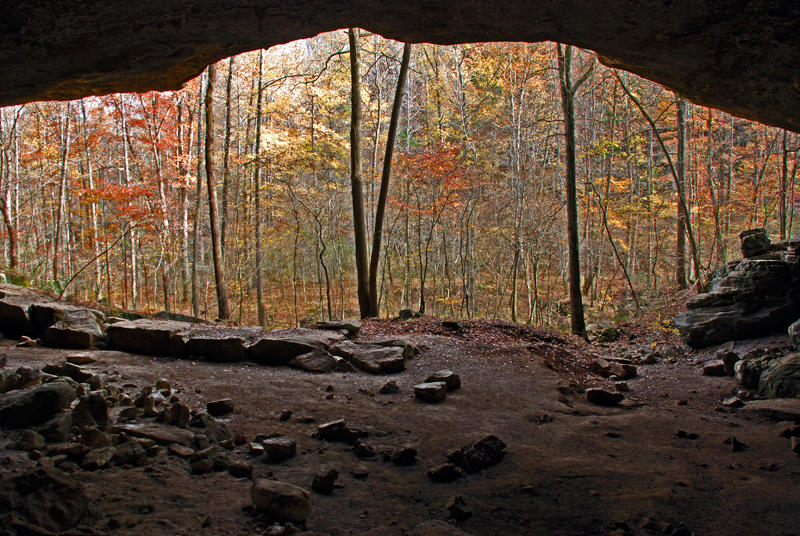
(714, 368)
(75, 329)
(351, 326)
(410, 350)
(432, 392)
(317, 361)
(372, 358)
(81, 358)
(449, 377)
(97, 458)
(281, 501)
(276, 348)
(161, 434)
(220, 344)
(777, 409)
(278, 449)
(147, 336)
(218, 408)
(601, 397)
(34, 405)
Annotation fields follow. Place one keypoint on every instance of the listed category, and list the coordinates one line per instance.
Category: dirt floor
(571, 468)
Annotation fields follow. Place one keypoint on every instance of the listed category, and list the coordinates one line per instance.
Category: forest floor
(570, 468)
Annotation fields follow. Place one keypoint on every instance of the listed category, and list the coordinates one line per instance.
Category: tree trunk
(262, 312)
(680, 165)
(219, 268)
(568, 89)
(359, 227)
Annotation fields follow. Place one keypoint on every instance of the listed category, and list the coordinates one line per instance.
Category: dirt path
(571, 468)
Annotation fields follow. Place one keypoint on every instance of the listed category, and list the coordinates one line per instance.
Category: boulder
(34, 405)
(147, 336)
(450, 378)
(278, 449)
(76, 329)
(91, 410)
(372, 358)
(18, 379)
(754, 242)
(480, 455)
(276, 349)
(58, 427)
(781, 378)
(281, 501)
(714, 368)
(431, 392)
(318, 361)
(15, 305)
(775, 409)
(351, 326)
(45, 500)
(755, 297)
(409, 348)
(324, 480)
(748, 372)
(130, 453)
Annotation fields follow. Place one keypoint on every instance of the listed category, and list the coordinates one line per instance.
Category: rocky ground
(674, 456)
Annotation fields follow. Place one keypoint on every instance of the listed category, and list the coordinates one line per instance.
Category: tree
(219, 267)
(568, 90)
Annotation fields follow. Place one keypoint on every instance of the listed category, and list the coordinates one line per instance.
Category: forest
(107, 199)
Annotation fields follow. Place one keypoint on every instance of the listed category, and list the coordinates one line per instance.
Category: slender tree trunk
(226, 149)
(356, 188)
(568, 90)
(262, 312)
(680, 165)
(385, 178)
(197, 205)
(62, 191)
(219, 268)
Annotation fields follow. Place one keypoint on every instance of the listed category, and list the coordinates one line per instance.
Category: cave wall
(737, 55)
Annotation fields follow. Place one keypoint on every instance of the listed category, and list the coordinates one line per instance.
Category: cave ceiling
(741, 56)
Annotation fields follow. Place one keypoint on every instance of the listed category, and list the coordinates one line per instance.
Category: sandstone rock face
(732, 55)
(76, 329)
(756, 297)
(151, 337)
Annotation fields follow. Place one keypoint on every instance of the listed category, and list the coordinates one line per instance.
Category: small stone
(95, 438)
(389, 388)
(280, 500)
(714, 368)
(404, 456)
(163, 384)
(364, 450)
(431, 392)
(202, 466)
(360, 472)
(30, 440)
(338, 431)
(324, 480)
(285, 415)
(81, 358)
(176, 414)
(181, 451)
(220, 407)
(98, 381)
(405, 314)
(97, 458)
(240, 470)
(682, 434)
(621, 387)
(602, 397)
(130, 452)
(27, 342)
(278, 449)
(449, 377)
(482, 454)
(446, 472)
(255, 448)
(733, 402)
(129, 414)
(735, 444)
(458, 509)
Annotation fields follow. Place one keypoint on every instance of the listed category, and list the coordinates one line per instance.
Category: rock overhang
(737, 55)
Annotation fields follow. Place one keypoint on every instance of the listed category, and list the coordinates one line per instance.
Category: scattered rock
(81, 358)
(683, 434)
(733, 402)
(219, 408)
(735, 444)
(129, 453)
(360, 472)
(91, 410)
(431, 392)
(480, 455)
(26, 407)
(317, 361)
(601, 397)
(338, 431)
(240, 470)
(202, 466)
(27, 342)
(363, 450)
(97, 458)
(280, 500)
(450, 378)
(181, 451)
(278, 449)
(457, 508)
(714, 368)
(30, 440)
(446, 472)
(748, 372)
(161, 434)
(404, 456)
(608, 334)
(94, 438)
(57, 428)
(324, 480)
(390, 388)
(405, 314)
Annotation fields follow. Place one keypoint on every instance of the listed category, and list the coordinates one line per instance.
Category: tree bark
(262, 313)
(680, 165)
